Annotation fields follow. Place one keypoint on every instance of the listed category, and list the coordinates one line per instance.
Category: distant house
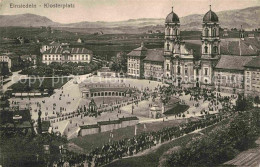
(106, 72)
(150, 31)
(98, 33)
(157, 31)
(80, 41)
(6, 57)
(61, 55)
(29, 58)
(251, 35)
(225, 34)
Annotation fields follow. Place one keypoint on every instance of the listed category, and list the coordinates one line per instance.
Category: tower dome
(210, 16)
(172, 18)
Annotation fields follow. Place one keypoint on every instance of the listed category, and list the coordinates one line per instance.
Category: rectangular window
(206, 71)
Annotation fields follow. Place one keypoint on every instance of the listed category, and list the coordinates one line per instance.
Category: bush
(220, 145)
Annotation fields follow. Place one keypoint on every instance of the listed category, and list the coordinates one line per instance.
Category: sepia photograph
(130, 83)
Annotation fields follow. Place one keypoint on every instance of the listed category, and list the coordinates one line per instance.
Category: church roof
(254, 63)
(210, 16)
(233, 62)
(154, 55)
(172, 18)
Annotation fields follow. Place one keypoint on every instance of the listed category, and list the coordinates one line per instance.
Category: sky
(118, 10)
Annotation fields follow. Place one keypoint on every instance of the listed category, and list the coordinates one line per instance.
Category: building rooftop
(254, 63)
(154, 55)
(233, 62)
(235, 46)
(138, 51)
(68, 50)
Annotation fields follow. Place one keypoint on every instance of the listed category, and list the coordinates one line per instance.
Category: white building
(6, 58)
(62, 55)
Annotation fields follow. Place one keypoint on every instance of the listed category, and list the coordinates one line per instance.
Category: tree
(39, 122)
(257, 100)
(50, 90)
(119, 62)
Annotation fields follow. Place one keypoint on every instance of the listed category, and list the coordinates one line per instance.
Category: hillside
(247, 17)
(25, 20)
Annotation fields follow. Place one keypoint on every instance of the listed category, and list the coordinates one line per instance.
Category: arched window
(168, 46)
(178, 69)
(167, 31)
(176, 32)
(206, 49)
(214, 32)
(215, 49)
(206, 32)
(168, 67)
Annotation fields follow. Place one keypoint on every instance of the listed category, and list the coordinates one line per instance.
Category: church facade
(186, 64)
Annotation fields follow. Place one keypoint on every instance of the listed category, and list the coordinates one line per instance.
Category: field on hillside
(102, 45)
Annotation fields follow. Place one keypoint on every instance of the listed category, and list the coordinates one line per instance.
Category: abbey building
(225, 64)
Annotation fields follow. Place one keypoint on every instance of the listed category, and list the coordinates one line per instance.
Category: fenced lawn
(89, 142)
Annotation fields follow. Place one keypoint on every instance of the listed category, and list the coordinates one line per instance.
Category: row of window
(215, 49)
(71, 56)
(152, 68)
(131, 71)
(133, 65)
(231, 85)
(59, 58)
(169, 31)
(213, 34)
(154, 74)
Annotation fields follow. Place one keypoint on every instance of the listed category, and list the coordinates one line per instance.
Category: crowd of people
(128, 147)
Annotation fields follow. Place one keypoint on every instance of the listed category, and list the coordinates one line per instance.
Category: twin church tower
(185, 63)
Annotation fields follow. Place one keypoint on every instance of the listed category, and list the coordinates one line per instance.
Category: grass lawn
(178, 109)
(32, 85)
(152, 159)
(97, 140)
